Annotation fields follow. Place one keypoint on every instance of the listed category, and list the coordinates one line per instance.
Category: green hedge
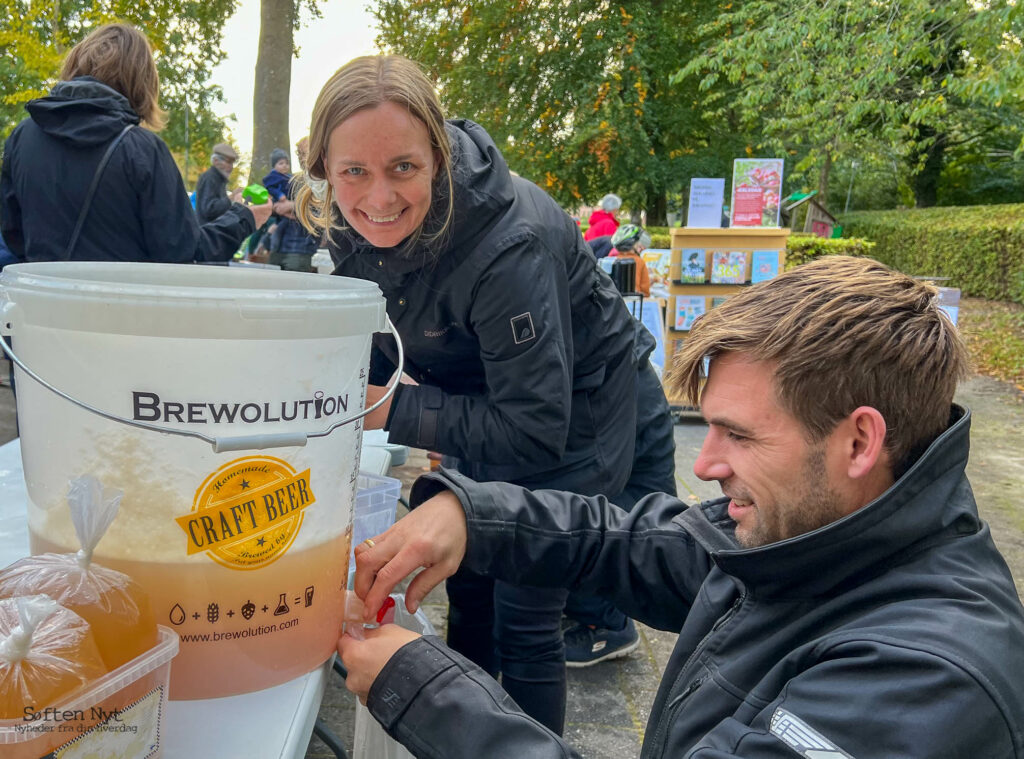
(980, 248)
(802, 248)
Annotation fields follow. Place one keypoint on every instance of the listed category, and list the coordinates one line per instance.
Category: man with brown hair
(842, 600)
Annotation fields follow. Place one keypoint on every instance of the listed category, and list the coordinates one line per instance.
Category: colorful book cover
(688, 309)
(658, 260)
(764, 265)
(718, 300)
(691, 267)
(756, 192)
(729, 267)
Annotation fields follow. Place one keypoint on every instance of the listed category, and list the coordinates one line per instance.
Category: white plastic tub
(121, 714)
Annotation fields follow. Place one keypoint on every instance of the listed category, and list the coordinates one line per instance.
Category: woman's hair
(121, 57)
(368, 82)
(841, 332)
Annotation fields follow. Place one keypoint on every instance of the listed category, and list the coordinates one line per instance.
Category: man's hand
(261, 213)
(432, 536)
(236, 195)
(376, 419)
(364, 659)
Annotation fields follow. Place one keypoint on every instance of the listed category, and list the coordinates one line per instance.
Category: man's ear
(864, 444)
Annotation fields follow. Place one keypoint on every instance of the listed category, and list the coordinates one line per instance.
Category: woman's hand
(376, 419)
(432, 536)
(364, 659)
(261, 213)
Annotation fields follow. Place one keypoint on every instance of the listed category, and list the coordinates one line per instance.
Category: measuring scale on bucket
(241, 537)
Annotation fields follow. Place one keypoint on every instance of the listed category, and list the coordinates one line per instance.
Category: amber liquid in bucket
(243, 631)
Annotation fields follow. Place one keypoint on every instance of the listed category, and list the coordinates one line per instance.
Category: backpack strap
(92, 191)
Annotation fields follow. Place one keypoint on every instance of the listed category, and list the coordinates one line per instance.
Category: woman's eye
(353, 171)
(403, 167)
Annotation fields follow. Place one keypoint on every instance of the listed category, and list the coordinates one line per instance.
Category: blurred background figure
(291, 246)
(280, 175)
(629, 242)
(212, 199)
(85, 178)
(602, 221)
(601, 246)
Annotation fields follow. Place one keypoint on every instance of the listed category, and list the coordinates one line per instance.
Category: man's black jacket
(895, 631)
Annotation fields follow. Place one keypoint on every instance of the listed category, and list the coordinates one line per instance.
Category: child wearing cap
(280, 175)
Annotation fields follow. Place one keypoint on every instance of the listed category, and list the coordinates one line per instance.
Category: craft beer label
(248, 513)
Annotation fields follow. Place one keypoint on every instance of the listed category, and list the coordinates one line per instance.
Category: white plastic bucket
(244, 552)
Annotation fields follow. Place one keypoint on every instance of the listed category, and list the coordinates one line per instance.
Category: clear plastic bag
(115, 606)
(370, 740)
(46, 652)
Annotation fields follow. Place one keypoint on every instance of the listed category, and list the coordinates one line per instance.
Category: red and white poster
(756, 192)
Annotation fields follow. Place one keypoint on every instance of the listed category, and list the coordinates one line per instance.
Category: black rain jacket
(893, 632)
(526, 356)
(140, 211)
(212, 200)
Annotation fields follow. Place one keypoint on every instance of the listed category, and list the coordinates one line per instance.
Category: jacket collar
(932, 498)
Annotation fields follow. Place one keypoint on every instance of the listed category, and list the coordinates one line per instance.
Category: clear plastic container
(376, 504)
(119, 714)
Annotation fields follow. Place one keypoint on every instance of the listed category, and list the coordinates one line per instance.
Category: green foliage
(576, 94)
(186, 35)
(803, 248)
(977, 247)
(876, 81)
(660, 237)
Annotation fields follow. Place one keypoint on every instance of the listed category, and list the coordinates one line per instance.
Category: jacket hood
(483, 193)
(83, 112)
(932, 499)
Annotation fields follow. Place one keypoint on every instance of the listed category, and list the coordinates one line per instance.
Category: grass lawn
(994, 332)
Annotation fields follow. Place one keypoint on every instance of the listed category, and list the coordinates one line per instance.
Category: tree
(278, 21)
(185, 34)
(846, 78)
(576, 94)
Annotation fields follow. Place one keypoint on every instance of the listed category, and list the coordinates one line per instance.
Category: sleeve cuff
(404, 677)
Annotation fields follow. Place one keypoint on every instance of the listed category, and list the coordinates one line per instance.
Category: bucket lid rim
(59, 277)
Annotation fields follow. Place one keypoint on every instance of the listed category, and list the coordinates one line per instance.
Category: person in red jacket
(602, 221)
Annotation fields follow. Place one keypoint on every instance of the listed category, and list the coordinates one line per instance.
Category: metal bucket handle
(238, 442)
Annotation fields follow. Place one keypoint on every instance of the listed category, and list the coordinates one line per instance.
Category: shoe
(586, 645)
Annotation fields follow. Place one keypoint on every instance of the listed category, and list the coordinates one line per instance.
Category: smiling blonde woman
(530, 369)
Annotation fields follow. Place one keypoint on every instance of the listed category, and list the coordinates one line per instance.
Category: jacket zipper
(672, 706)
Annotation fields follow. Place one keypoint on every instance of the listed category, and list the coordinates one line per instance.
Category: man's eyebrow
(720, 421)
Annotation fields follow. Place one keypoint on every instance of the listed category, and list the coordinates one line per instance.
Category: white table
(276, 722)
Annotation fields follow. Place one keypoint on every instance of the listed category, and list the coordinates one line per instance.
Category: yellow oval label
(248, 513)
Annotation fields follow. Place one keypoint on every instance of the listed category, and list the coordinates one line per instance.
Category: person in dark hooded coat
(140, 210)
(530, 368)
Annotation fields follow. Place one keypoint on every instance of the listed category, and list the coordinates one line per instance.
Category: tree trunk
(272, 86)
(657, 207)
(826, 169)
(926, 181)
